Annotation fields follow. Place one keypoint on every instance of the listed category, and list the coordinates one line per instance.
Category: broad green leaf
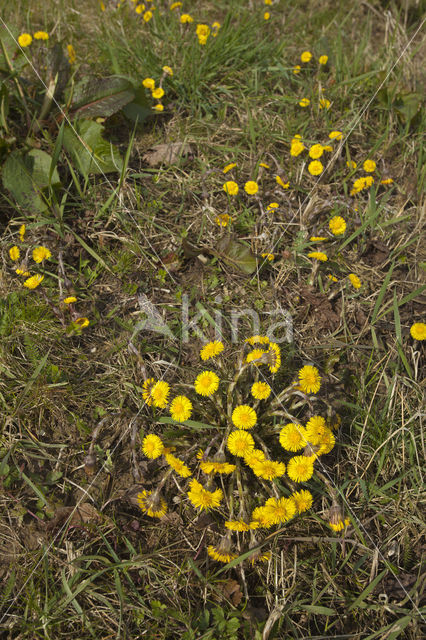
(236, 254)
(138, 110)
(25, 175)
(93, 97)
(89, 151)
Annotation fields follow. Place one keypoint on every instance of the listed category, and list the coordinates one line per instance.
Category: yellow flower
(21, 272)
(369, 166)
(231, 188)
(206, 383)
(324, 103)
(337, 225)
(223, 219)
(254, 456)
(268, 469)
(386, 181)
(240, 443)
(306, 56)
(147, 16)
(158, 93)
(152, 504)
(303, 500)
(264, 165)
(316, 151)
(71, 54)
(186, 18)
(181, 408)
(41, 253)
(215, 27)
(266, 15)
(327, 147)
(203, 499)
(168, 70)
(159, 394)
(315, 429)
(202, 31)
(211, 466)
(14, 253)
(280, 509)
(158, 107)
(81, 322)
(326, 442)
(256, 356)
(261, 517)
(318, 239)
(351, 164)
(251, 187)
(335, 135)
(25, 39)
(140, 9)
(418, 331)
(268, 256)
(315, 167)
(332, 278)
(318, 255)
(237, 525)
(22, 232)
(297, 69)
(309, 379)
(211, 350)
(149, 83)
(300, 468)
(304, 102)
(355, 281)
(296, 148)
(273, 357)
(33, 282)
(267, 2)
(260, 390)
(69, 300)
(221, 553)
(244, 417)
(272, 205)
(152, 446)
(175, 5)
(178, 466)
(293, 437)
(147, 390)
(361, 183)
(257, 339)
(229, 166)
(41, 35)
(279, 180)
(323, 59)
(337, 521)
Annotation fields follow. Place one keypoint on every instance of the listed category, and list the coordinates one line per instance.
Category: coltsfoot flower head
(240, 443)
(351, 164)
(149, 83)
(147, 389)
(293, 437)
(335, 135)
(21, 232)
(306, 56)
(418, 331)
(203, 499)
(300, 468)
(152, 446)
(324, 103)
(303, 500)
(337, 225)
(158, 107)
(323, 59)
(186, 18)
(72, 56)
(273, 357)
(257, 339)
(280, 509)
(69, 300)
(315, 429)
(336, 519)
(280, 181)
(229, 167)
(211, 350)
(212, 466)
(369, 166)
(25, 39)
(251, 187)
(178, 465)
(260, 390)
(253, 456)
(296, 148)
(206, 383)
(244, 417)
(152, 504)
(181, 408)
(326, 442)
(318, 255)
(82, 322)
(231, 188)
(33, 281)
(158, 93)
(315, 168)
(160, 393)
(272, 206)
(355, 281)
(309, 379)
(147, 16)
(14, 253)
(168, 70)
(41, 35)
(297, 69)
(261, 518)
(268, 469)
(237, 525)
(223, 219)
(41, 253)
(304, 102)
(222, 553)
(316, 151)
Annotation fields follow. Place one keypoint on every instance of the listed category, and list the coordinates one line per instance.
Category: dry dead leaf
(231, 590)
(167, 153)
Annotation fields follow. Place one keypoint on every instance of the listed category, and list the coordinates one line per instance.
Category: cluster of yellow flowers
(158, 92)
(39, 254)
(249, 432)
(25, 39)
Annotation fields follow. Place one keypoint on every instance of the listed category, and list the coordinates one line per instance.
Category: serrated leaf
(236, 254)
(94, 97)
(89, 151)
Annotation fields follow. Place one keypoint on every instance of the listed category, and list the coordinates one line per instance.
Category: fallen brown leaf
(167, 153)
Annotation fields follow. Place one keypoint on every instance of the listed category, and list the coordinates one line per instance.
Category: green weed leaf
(94, 97)
(89, 151)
